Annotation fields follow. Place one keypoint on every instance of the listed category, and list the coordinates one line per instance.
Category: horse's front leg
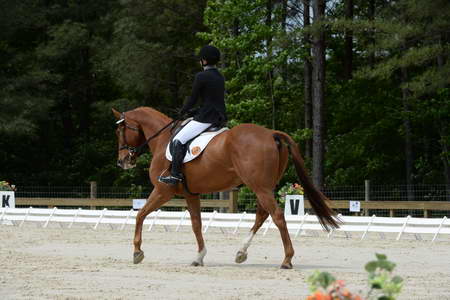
(156, 199)
(193, 204)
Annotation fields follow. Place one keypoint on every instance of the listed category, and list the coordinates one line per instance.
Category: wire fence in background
(246, 200)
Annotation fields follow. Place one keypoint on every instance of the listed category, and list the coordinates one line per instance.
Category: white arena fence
(226, 222)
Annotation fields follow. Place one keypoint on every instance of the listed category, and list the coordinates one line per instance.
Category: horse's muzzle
(120, 163)
(126, 163)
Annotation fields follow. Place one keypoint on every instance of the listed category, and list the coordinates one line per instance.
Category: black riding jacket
(210, 86)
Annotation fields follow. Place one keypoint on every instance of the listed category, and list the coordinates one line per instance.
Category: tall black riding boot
(175, 177)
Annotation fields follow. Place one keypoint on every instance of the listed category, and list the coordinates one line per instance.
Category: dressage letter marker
(294, 205)
(8, 199)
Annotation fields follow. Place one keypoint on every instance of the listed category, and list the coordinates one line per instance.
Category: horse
(246, 154)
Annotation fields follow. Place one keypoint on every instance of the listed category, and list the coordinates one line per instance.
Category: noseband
(132, 150)
(139, 149)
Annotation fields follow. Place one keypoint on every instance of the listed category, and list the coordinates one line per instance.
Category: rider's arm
(196, 88)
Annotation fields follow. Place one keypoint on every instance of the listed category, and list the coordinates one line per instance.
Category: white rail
(232, 222)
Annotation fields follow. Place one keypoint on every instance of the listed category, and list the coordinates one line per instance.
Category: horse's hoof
(138, 257)
(241, 256)
(197, 264)
(286, 266)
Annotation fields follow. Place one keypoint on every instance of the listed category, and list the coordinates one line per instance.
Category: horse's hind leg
(268, 203)
(156, 199)
(193, 204)
(261, 216)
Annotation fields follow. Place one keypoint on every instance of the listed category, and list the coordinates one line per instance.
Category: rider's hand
(181, 114)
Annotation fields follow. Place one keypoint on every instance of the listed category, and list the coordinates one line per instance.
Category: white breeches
(191, 130)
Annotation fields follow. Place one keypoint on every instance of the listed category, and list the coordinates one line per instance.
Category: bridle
(139, 149)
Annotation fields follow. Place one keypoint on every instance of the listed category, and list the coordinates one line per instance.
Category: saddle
(196, 145)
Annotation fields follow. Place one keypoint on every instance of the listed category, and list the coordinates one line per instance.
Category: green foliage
(137, 175)
(419, 41)
(289, 189)
(256, 90)
(246, 199)
(6, 186)
(381, 281)
(64, 64)
(320, 280)
(382, 285)
(136, 191)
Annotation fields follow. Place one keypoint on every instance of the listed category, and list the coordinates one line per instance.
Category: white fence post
(299, 230)
(268, 226)
(403, 228)
(210, 221)
(26, 216)
(181, 220)
(3, 215)
(74, 217)
(49, 218)
(154, 220)
(92, 220)
(100, 218)
(439, 228)
(332, 229)
(239, 223)
(126, 220)
(368, 226)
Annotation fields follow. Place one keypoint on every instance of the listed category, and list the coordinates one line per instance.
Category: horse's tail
(327, 217)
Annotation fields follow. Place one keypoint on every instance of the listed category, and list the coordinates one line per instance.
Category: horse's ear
(117, 114)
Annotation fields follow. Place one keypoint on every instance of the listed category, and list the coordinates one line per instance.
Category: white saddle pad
(197, 145)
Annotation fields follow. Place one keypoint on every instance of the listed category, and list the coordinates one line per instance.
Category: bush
(246, 199)
(6, 186)
(382, 285)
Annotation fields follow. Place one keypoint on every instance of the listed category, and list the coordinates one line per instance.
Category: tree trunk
(443, 130)
(67, 123)
(174, 86)
(445, 160)
(86, 96)
(284, 69)
(348, 44)
(318, 93)
(307, 76)
(236, 33)
(408, 136)
(269, 9)
(371, 38)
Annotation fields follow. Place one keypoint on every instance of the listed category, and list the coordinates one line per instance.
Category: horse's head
(129, 137)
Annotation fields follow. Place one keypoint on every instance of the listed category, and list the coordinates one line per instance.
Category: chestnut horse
(246, 154)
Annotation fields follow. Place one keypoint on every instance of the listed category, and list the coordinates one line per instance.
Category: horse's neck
(151, 122)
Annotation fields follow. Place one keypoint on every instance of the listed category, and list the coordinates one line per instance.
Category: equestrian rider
(210, 86)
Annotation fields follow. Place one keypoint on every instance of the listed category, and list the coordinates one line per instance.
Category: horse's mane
(151, 111)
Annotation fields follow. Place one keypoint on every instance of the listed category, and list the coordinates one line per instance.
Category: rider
(210, 86)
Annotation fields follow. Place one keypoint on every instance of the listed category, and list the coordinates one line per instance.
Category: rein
(138, 150)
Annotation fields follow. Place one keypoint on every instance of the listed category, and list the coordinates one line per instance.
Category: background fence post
(233, 200)
(223, 196)
(366, 195)
(93, 193)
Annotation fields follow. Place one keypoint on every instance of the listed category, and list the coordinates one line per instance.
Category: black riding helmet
(210, 53)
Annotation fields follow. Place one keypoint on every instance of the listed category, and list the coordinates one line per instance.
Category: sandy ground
(80, 263)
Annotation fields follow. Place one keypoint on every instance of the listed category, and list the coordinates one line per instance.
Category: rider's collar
(209, 67)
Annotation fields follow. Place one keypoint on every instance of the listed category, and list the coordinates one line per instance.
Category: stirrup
(172, 180)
